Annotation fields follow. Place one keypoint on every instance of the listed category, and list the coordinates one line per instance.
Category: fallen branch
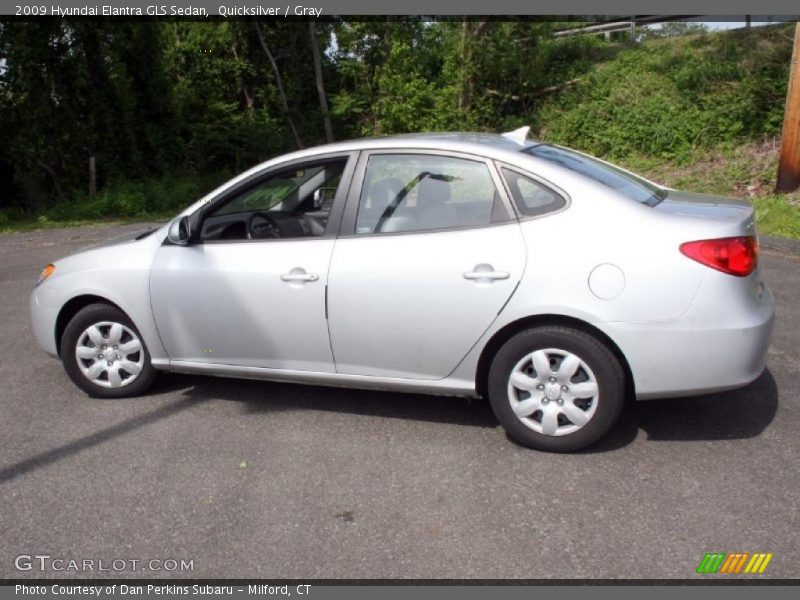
(536, 93)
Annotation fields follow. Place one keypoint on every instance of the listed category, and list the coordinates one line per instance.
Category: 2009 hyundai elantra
(551, 282)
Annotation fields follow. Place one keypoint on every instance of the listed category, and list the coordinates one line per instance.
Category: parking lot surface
(258, 479)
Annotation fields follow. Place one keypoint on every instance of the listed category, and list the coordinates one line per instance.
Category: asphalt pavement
(257, 479)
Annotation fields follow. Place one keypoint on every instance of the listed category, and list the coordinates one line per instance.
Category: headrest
(432, 191)
(383, 192)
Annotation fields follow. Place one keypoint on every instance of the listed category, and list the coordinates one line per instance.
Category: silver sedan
(553, 283)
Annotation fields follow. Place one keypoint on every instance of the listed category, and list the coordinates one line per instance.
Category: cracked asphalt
(254, 479)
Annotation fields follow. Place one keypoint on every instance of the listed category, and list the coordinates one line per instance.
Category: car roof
(487, 144)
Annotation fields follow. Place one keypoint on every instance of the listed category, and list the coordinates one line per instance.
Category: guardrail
(629, 24)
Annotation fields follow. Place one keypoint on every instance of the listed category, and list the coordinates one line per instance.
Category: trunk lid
(706, 206)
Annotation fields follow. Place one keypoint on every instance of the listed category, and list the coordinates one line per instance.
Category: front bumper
(43, 320)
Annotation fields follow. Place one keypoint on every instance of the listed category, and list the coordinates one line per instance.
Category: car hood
(707, 206)
(122, 239)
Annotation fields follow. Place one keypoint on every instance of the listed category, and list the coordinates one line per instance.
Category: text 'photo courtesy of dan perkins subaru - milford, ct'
(149, 590)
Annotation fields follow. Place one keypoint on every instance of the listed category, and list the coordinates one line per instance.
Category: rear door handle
(298, 275)
(486, 273)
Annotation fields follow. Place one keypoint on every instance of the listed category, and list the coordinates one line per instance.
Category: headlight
(46, 272)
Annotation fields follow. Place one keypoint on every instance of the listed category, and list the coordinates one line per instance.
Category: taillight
(735, 255)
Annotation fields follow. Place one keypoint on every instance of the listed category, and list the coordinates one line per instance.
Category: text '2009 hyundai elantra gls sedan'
(551, 282)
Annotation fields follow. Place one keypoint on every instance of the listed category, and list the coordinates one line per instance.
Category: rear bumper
(43, 321)
(715, 346)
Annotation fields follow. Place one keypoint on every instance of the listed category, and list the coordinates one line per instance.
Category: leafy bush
(667, 98)
(148, 198)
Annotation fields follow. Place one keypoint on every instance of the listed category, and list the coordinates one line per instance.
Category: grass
(777, 217)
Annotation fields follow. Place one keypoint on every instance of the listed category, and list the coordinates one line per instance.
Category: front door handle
(298, 275)
(485, 272)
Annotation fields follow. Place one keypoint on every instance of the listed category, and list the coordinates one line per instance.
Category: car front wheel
(555, 388)
(104, 354)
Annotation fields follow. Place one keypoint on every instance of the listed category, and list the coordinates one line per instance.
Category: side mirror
(179, 231)
(318, 199)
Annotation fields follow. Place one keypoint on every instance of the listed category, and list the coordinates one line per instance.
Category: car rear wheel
(556, 388)
(104, 354)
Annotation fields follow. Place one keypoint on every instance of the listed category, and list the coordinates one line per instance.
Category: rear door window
(423, 192)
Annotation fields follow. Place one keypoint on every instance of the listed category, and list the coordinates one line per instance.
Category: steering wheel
(262, 225)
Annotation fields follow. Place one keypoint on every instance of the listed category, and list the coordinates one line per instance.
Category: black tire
(608, 373)
(84, 318)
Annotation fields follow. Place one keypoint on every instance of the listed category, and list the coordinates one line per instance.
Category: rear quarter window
(531, 197)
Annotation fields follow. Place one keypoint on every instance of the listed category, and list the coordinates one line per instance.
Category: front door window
(293, 203)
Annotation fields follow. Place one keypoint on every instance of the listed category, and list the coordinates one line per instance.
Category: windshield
(617, 179)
